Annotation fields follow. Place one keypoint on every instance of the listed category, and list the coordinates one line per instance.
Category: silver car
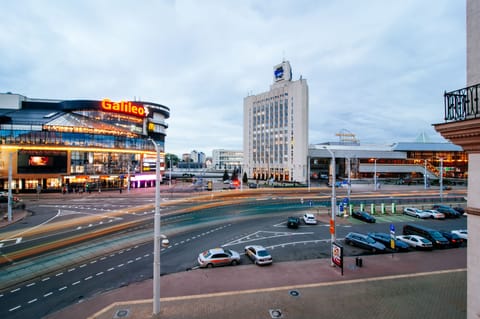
(415, 212)
(258, 254)
(218, 257)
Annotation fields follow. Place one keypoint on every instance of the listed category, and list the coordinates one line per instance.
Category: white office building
(227, 159)
(275, 129)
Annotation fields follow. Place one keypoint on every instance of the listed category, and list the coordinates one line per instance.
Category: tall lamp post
(333, 204)
(157, 237)
(375, 174)
(441, 179)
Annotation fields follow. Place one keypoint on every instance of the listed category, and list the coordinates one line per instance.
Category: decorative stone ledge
(473, 211)
(464, 133)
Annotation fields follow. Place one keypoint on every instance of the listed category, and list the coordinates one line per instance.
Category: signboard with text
(337, 255)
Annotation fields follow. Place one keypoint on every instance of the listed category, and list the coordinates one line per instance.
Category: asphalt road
(189, 235)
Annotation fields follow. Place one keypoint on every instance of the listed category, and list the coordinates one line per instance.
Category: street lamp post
(157, 236)
(333, 204)
(375, 174)
(308, 172)
(425, 175)
(441, 179)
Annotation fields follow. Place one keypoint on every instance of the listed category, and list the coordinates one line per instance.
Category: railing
(462, 104)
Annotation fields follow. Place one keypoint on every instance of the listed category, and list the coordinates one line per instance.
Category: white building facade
(227, 159)
(275, 129)
(462, 127)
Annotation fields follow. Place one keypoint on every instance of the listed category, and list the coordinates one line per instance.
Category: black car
(454, 240)
(364, 241)
(459, 209)
(366, 217)
(293, 222)
(385, 239)
(447, 211)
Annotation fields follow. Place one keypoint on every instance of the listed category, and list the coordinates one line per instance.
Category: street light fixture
(157, 237)
(333, 204)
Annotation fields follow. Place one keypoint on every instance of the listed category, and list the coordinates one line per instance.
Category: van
(433, 235)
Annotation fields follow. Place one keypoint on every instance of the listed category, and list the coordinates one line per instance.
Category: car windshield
(262, 253)
(426, 241)
(228, 252)
(437, 235)
(206, 254)
(370, 240)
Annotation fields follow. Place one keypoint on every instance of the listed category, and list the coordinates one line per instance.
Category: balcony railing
(462, 104)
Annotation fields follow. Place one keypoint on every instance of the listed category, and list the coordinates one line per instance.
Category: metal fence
(462, 104)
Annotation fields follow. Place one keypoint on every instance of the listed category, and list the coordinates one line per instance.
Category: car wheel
(234, 262)
(210, 266)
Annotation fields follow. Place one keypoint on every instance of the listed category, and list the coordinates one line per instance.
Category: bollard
(383, 208)
(372, 208)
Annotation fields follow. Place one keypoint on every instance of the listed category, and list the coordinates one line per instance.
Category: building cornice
(463, 133)
(473, 211)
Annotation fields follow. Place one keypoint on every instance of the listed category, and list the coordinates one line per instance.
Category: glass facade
(78, 146)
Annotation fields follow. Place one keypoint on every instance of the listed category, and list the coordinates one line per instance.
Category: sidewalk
(409, 285)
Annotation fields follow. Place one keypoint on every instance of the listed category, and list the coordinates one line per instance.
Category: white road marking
(14, 290)
(88, 278)
(33, 300)
(14, 308)
(75, 283)
(47, 294)
(71, 269)
(81, 266)
(99, 273)
(31, 284)
(59, 274)
(46, 278)
(63, 288)
(121, 265)
(110, 269)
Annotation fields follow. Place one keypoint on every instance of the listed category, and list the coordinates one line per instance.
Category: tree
(171, 159)
(225, 175)
(245, 178)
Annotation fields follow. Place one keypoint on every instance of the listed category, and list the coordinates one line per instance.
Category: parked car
(16, 203)
(459, 209)
(417, 242)
(258, 254)
(447, 210)
(293, 222)
(415, 212)
(218, 257)
(463, 233)
(432, 235)
(364, 241)
(435, 214)
(309, 219)
(252, 185)
(454, 239)
(385, 239)
(366, 217)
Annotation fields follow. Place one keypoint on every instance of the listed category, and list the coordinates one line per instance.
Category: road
(190, 233)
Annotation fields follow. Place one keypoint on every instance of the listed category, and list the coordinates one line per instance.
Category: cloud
(378, 69)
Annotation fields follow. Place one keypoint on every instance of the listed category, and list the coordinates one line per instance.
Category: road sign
(392, 227)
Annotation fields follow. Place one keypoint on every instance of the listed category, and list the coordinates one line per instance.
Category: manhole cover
(121, 313)
(294, 293)
(275, 313)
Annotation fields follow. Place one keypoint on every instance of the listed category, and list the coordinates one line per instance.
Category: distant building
(227, 159)
(275, 129)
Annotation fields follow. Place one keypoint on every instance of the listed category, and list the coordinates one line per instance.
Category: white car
(416, 241)
(435, 214)
(462, 233)
(258, 254)
(309, 219)
(415, 212)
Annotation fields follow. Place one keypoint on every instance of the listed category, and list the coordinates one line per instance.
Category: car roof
(216, 250)
(257, 247)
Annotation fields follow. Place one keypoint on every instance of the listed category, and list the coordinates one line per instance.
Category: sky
(375, 68)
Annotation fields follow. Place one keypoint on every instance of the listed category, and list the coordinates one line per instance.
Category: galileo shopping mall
(79, 145)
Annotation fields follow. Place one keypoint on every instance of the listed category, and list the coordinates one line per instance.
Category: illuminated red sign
(125, 107)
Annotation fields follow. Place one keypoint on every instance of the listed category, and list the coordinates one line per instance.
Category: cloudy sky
(375, 68)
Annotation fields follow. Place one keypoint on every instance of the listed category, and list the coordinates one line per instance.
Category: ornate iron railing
(462, 104)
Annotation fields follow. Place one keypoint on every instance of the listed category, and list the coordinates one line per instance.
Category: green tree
(245, 178)
(225, 175)
(171, 159)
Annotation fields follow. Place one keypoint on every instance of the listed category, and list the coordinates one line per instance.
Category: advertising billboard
(35, 162)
